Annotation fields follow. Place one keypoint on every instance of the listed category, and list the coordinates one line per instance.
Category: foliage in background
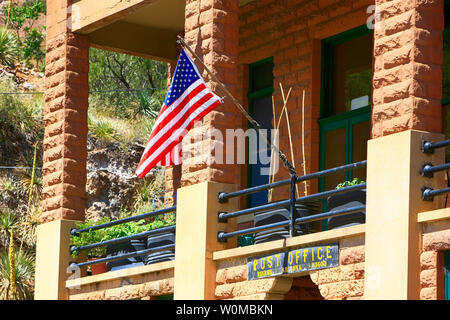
(109, 128)
(126, 86)
(21, 125)
(91, 236)
(24, 229)
(114, 232)
(149, 196)
(16, 266)
(24, 275)
(22, 19)
(9, 47)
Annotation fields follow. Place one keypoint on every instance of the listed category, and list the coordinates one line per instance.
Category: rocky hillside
(113, 189)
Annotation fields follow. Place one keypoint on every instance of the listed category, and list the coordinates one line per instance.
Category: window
(348, 72)
(260, 108)
(345, 103)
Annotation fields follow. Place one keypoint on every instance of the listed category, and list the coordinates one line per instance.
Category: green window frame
(326, 97)
(347, 121)
(329, 121)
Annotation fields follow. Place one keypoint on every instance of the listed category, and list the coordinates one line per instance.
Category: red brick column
(65, 117)
(212, 30)
(407, 73)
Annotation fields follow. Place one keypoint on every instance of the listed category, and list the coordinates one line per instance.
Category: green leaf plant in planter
(122, 248)
(118, 249)
(347, 200)
(89, 237)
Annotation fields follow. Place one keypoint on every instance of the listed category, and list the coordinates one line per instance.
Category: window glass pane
(262, 113)
(335, 156)
(352, 74)
(262, 76)
(446, 70)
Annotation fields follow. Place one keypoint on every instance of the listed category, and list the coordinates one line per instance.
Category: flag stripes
(188, 100)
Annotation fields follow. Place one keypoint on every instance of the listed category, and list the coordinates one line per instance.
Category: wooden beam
(88, 15)
(136, 40)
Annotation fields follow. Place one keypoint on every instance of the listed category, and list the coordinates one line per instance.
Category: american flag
(188, 100)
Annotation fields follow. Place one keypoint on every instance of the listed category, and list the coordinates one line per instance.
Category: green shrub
(32, 46)
(126, 86)
(103, 130)
(22, 19)
(89, 237)
(114, 232)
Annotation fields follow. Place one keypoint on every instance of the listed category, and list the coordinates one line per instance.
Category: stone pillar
(212, 31)
(407, 83)
(52, 260)
(196, 238)
(65, 117)
(394, 198)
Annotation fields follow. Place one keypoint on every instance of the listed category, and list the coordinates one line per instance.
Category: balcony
(405, 201)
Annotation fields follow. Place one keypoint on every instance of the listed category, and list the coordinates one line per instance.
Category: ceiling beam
(136, 40)
(90, 15)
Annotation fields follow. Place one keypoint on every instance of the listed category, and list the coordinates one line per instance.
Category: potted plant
(161, 239)
(347, 200)
(283, 214)
(89, 237)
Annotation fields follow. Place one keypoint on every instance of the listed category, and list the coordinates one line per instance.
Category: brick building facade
(351, 83)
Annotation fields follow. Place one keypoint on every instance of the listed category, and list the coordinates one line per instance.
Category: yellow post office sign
(294, 261)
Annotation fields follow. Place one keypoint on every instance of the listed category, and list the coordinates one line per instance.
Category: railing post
(52, 260)
(394, 198)
(196, 238)
(292, 217)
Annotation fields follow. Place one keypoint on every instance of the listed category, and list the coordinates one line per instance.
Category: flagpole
(255, 124)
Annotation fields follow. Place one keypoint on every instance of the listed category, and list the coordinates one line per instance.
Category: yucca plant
(24, 226)
(103, 130)
(149, 105)
(31, 185)
(7, 184)
(12, 267)
(7, 221)
(9, 47)
(24, 275)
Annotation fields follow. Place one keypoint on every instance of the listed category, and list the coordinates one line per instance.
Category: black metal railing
(428, 169)
(76, 232)
(223, 197)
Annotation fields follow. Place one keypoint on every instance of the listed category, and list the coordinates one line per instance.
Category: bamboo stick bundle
(276, 125)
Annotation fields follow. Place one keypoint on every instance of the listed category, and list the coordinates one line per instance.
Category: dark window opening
(260, 108)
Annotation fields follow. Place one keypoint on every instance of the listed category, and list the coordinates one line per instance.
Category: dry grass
(110, 128)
